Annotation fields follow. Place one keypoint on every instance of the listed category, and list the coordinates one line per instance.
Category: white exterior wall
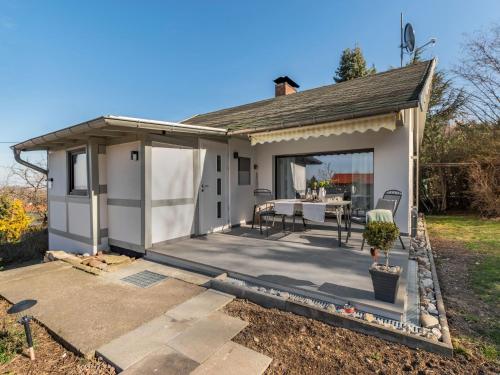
(241, 198)
(173, 192)
(124, 193)
(391, 160)
(69, 216)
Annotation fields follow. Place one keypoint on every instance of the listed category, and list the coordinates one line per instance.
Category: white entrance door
(213, 187)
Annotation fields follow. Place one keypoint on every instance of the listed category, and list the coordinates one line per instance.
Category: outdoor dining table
(338, 207)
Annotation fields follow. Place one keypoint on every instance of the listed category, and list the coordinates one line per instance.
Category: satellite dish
(409, 38)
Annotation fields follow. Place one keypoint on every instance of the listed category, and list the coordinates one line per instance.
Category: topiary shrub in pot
(385, 278)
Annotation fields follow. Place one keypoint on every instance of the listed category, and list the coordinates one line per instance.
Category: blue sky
(63, 62)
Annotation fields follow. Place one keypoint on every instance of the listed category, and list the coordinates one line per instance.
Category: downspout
(17, 157)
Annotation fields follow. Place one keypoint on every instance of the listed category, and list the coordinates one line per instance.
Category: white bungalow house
(131, 183)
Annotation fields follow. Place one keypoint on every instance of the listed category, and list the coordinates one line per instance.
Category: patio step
(157, 256)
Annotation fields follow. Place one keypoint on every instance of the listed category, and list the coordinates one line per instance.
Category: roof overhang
(375, 123)
(110, 127)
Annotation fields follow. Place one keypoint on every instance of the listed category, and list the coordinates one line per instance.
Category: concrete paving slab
(133, 346)
(206, 336)
(199, 306)
(88, 311)
(163, 361)
(234, 359)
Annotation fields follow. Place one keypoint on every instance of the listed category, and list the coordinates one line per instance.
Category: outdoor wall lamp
(134, 155)
(235, 155)
(50, 182)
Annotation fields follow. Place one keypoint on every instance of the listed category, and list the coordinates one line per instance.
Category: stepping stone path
(193, 337)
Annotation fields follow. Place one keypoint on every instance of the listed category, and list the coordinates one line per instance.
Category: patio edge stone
(445, 329)
(334, 319)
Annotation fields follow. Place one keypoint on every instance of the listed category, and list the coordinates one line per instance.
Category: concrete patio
(306, 262)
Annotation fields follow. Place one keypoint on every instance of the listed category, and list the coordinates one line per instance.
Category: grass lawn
(477, 235)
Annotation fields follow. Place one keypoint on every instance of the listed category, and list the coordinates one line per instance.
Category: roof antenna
(407, 38)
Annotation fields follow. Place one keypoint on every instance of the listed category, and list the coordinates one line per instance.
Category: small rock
(428, 321)
(436, 332)
(433, 311)
(96, 264)
(369, 317)
(86, 254)
(427, 283)
(426, 273)
(284, 295)
(331, 308)
(256, 339)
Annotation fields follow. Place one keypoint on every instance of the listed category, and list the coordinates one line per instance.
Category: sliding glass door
(347, 173)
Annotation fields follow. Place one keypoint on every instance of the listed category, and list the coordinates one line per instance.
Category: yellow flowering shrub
(13, 220)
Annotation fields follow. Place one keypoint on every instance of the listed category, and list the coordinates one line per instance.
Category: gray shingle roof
(384, 92)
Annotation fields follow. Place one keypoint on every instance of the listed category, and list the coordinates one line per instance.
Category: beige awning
(360, 125)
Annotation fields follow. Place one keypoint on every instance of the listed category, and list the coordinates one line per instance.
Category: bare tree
(29, 186)
(480, 69)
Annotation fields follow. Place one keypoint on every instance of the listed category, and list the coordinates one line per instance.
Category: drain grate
(144, 279)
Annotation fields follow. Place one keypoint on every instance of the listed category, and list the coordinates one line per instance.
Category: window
(219, 163)
(243, 171)
(78, 184)
(348, 173)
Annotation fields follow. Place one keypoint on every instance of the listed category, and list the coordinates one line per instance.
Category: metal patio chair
(385, 203)
(262, 207)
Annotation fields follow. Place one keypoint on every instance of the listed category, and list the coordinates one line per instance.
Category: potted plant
(385, 278)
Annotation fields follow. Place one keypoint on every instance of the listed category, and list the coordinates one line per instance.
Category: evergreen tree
(352, 65)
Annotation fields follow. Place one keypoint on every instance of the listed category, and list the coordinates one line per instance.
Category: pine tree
(352, 65)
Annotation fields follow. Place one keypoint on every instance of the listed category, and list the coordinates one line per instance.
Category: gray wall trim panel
(69, 199)
(171, 202)
(103, 232)
(126, 245)
(101, 149)
(71, 236)
(103, 189)
(124, 202)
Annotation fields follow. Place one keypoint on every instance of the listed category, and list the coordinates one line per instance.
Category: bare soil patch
(473, 322)
(51, 357)
(299, 345)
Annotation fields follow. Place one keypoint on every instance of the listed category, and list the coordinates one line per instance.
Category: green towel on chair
(379, 215)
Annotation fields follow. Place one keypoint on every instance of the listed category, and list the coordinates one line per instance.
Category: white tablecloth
(285, 207)
(314, 211)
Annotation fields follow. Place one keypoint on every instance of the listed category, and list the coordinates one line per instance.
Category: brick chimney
(284, 86)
